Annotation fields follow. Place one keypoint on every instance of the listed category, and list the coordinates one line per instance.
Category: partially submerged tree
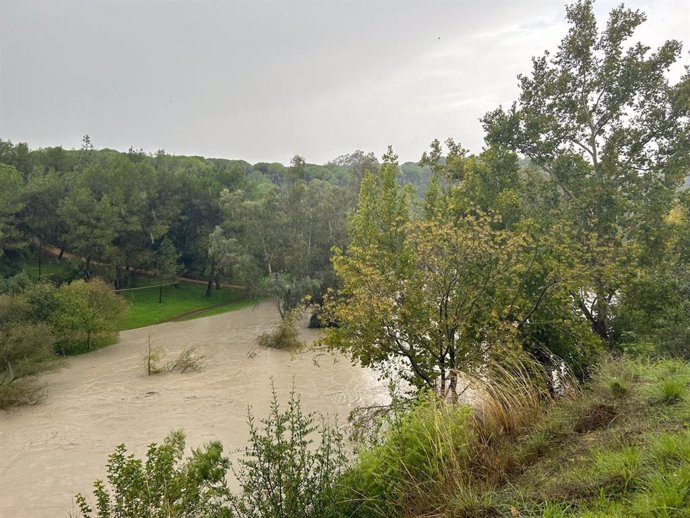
(87, 309)
(25, 349)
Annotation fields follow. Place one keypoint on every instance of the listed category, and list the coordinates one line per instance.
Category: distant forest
(214, 219)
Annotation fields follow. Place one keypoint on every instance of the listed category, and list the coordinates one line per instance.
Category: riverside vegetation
(548, 277)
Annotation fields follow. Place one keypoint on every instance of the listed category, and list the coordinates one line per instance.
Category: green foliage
(87, 309)
(428, 296)
(289, 469)
(579, 456)
(609, 132)
(10, 204)
(285, 472)
(422, 450)
(14, 284)
(284, 336)
(164, 485)
(25, 350)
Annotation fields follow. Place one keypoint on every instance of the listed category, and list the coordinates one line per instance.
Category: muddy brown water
(59, 447)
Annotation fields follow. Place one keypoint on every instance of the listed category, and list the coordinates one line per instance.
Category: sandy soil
(58, 448)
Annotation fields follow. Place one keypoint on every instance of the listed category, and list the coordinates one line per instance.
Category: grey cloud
(264, 80)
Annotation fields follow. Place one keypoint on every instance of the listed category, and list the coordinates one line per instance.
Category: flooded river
(58, 448)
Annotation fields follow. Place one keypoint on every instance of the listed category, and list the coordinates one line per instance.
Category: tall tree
(602, 120)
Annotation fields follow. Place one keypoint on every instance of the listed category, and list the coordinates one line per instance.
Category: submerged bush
(284, 336)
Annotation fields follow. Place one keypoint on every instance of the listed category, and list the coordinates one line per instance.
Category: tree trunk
(209, 286)
(39, 260)
(452, 386)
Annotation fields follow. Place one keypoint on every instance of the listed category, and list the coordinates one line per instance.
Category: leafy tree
(89, 221)
(86, 309)
(426, 296)
(42, 196)
(436, 303)
(167, 264)
(600, 118)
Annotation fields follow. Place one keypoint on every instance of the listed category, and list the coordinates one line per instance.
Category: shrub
(189, 359)
(23, 391)
(284, 472)
(164, 485)
(152, 358)
(25, 350)
(88, 309)
(284, 336)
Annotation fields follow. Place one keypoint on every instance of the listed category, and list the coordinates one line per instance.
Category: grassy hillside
(619, 447)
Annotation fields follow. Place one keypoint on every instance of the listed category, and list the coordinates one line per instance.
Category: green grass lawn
(145, 310)
(49, 267)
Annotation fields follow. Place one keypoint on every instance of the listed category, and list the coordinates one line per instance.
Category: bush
(187, 360)
(25, 350)
(284, 336)
(165, 485)
(86, 310)
(23, 391)
(284, 473)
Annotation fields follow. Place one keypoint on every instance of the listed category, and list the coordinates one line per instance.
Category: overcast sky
(263, 80)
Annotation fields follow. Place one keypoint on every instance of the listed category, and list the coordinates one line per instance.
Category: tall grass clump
(670, 381)
(423, 451)
(446, 459)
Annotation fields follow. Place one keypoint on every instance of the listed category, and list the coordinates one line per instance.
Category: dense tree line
(266, 225)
